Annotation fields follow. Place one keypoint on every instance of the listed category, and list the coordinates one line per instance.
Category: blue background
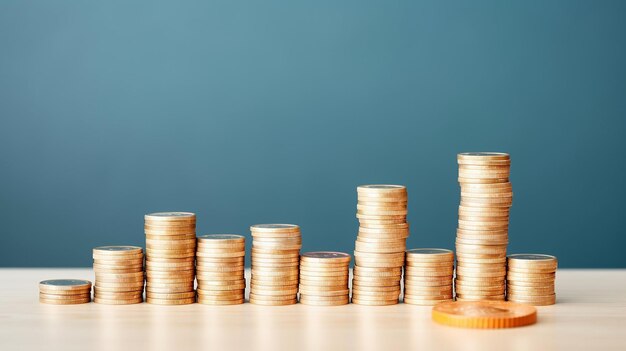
(274, 111)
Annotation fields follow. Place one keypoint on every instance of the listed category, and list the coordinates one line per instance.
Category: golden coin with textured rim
(484, 314)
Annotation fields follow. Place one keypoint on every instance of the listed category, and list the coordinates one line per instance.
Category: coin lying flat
(484, 314)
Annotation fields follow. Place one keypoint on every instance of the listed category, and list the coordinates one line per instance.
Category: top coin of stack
(119, 275)
(64, 291)
(428, 276)
(530, 279)
(170, 255)
(482, 234)
(324, 278)
(380, 245)
(220, 269)
(275, 261)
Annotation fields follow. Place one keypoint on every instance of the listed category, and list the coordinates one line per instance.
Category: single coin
(532, 260)
(118, 250)
(154, 301)
(374, 302)
(484, 314)
(64, 302)
(170, 217)
(117, 301)
(65, 297)
(274, 228)
(324, 256)
(64, 284)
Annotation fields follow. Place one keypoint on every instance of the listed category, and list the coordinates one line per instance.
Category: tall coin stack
(530, 279)
(482, 234)
(220, 269)
(380, 244)
(170, 255)
(275, 261)
(428, 276)
(324, 278)
(119, 275)
(64, 291)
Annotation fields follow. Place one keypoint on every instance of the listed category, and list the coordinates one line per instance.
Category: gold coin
(54, 285)
(204, 301)
(154, 301)
(64, 302)
(118, 295)
(424, 302)
(167, 290)
(65, 297)
(257, 301)
(118, 250)
(275, 228)
(117, 301)
(374, 302)
(356, 286)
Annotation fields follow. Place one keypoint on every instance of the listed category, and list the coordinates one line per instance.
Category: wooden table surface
(590, 315)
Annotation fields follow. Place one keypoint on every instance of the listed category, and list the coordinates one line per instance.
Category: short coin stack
(324, 278)
(170, 255)
(530, 279)
(428, 276)
(482, 234)
(119, 275)
(380, 245)
(275, 261)
(64, 291)
(220, 269)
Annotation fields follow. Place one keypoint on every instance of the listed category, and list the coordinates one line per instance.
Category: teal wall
(274, 111)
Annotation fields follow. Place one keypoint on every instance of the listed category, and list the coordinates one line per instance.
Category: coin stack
(170, 255)
(530, 279)
(119, 275)
(220, 269)
(380, 244)
(428, 276)
(64, 291)
(482, 234)
(275, 261)
(324, 278)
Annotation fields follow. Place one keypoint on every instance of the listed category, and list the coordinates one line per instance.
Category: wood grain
(590, 315)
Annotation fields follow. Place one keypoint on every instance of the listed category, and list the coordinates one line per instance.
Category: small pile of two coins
(324, 278)
(170, 255)
(64, 291)
(428, 276)
(119, 275)
(275, 262)
(530, 279)
(380, 245)
(482, 234)
(220, 269)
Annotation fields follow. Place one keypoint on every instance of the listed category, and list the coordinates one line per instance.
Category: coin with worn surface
(64, 284)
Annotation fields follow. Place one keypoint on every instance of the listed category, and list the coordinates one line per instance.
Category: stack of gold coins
(64, 291)
(380, 245)
(275, 261)
(119, 275)
(220, 269)
(530, 279)
(170, 255)
(482, 234)
(428, 276)
(324, 278)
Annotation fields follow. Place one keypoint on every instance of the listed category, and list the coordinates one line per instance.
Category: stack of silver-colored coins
(482, 235)
(428, 276)
(275, 261)
(170, 255)
(380, 245)
(119, 275)
(64, 291)
(220, 269)
(530, 279)
(324, 278)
